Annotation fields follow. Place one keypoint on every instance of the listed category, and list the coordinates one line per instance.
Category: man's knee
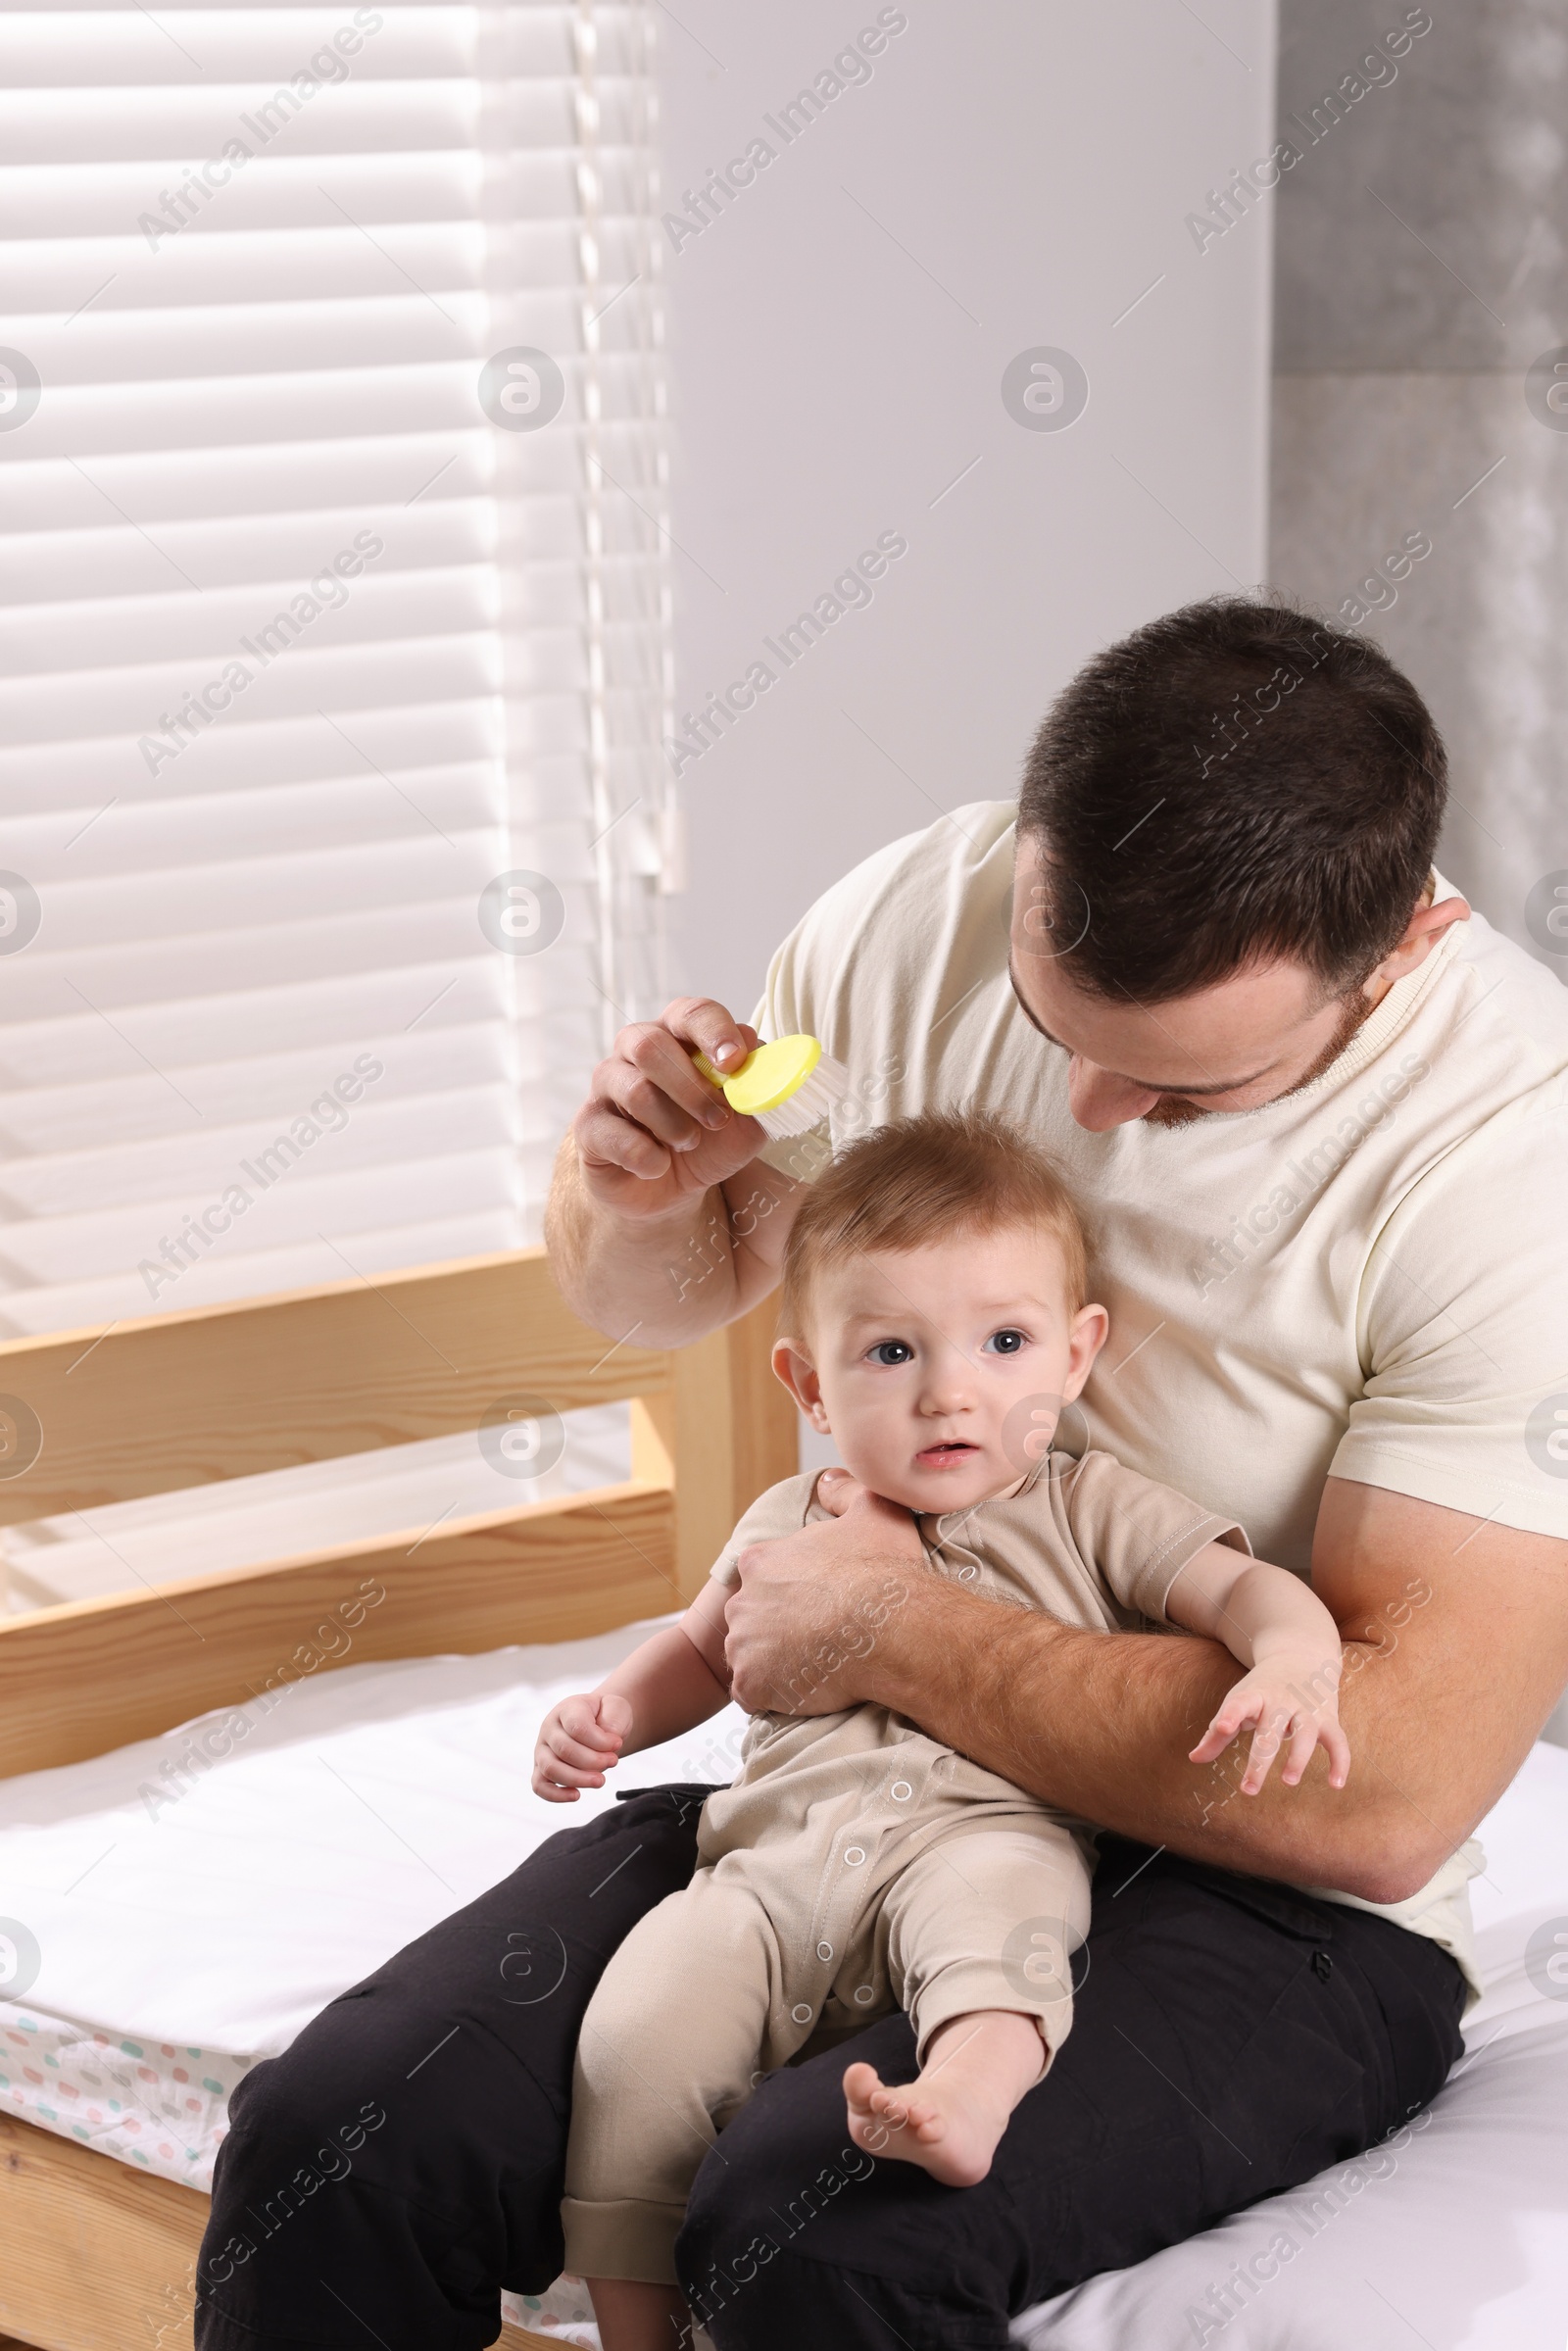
(328, 2089)
(296, 2138)
(300, 2127)
(413, 2189)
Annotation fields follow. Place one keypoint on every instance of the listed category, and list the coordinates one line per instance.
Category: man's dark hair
(1232, 784)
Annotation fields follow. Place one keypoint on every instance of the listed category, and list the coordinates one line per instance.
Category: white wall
(1029, 165)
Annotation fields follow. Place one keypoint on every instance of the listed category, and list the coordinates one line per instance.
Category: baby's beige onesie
(857, 1866)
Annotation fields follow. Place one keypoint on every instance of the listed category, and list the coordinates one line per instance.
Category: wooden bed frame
(96, 2256)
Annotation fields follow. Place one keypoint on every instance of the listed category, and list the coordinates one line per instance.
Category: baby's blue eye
(1006, 1343)
(892, 1352)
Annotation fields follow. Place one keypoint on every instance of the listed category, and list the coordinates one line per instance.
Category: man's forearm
(671, 1278)
(1100, 1724)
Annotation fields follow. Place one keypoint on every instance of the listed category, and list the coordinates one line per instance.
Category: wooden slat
(765, 1420)
(224, 1392)
(96, 2256)
(725, 1430)
(92, 1675)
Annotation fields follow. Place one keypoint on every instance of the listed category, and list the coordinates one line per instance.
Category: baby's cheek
(878, 1457)
(863, 1432)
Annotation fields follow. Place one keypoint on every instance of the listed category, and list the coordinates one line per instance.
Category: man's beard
(1174, 1111)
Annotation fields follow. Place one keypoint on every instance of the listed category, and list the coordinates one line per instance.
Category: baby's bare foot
(950, 2119)
(946, 2125)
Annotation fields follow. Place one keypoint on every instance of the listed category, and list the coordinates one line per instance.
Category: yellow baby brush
(790, 1087)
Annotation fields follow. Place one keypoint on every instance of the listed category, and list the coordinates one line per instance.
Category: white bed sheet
(182, 1940)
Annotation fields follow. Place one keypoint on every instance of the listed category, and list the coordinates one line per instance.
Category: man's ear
(1091, 1326)
(1424, 929)
(793, 1365)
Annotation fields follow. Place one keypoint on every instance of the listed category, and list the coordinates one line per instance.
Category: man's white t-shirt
(1366, 1278)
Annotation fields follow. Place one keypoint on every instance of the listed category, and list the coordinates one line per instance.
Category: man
(1315, 1111)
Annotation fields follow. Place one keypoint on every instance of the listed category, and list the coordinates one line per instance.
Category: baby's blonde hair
(921, 1180)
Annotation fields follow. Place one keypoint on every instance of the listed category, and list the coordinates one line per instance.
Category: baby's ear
(1091, 1327)
(793, 1365)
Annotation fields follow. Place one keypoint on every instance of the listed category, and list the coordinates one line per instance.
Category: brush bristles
(810, 1105)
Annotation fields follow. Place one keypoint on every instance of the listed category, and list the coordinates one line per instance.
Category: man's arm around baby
(1456, 1648)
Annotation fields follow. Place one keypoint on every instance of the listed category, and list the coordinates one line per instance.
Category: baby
(935, 1321)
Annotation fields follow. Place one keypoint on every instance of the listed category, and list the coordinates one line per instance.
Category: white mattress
(180, 1942)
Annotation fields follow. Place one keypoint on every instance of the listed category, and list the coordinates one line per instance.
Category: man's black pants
(403, 2160)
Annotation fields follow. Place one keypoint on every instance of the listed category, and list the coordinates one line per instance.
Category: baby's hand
(1288, 1700)
(581, 1740)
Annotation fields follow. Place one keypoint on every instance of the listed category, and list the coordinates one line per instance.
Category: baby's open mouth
(949, 1450)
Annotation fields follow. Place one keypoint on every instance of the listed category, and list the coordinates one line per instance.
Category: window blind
(333, 826)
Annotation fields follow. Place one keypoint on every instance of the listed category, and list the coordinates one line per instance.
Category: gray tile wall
(1421, 266)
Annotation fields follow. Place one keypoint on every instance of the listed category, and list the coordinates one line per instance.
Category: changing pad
(350, 1817)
